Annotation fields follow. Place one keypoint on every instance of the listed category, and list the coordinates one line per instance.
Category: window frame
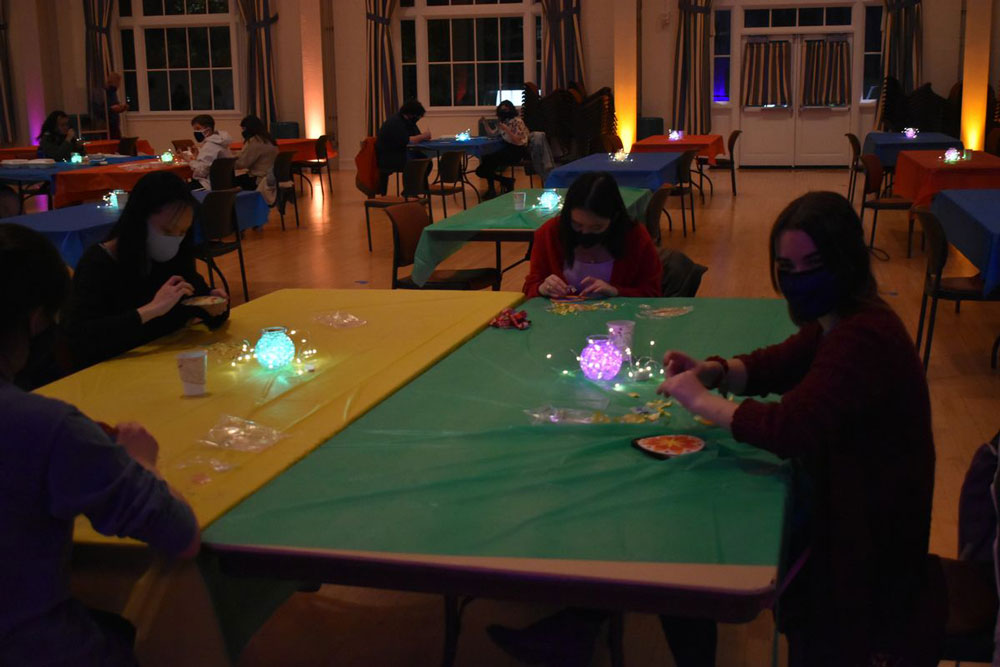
(139, 23)
(420, 13)
(714, 36)
(865, 52)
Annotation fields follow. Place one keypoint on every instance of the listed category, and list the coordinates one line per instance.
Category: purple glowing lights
(600, 360)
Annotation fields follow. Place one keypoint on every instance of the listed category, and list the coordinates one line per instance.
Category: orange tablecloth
(19, 153)
(922, 174)
(111, 146)
(305, 149)
(708, 145)
(93, 183)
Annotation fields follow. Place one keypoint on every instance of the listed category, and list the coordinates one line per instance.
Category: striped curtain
(97, 23)
(766, 79)
(6, 86)
(562, 44)
(693, 68)
(381, 98)
(257, 17)
(826, 73)
(902, 48)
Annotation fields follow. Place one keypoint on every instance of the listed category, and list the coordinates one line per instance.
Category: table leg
(465, 179)
(499, 258)
(453, 610)
(616, 632)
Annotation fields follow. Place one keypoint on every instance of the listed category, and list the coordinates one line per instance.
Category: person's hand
(138, 442)
(554, 286)
(217, 308)
(708, 372)
(172, 291)
(597, 287)
(70, 134)
(686, 387)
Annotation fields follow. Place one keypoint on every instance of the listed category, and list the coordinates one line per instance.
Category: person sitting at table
(257, 157)
(58, 141)
(395, 136)
(854, 414)
(514, 133)
(58, 465)
(115, 107)
(211, 144)
(127, 291)
(593, 248)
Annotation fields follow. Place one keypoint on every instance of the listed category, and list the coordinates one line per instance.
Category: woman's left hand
(217, 309)
(685, 387)
(596, 287)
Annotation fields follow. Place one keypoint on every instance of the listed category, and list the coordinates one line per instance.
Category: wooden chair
(684, 188)
(855, 167)
(611, 143)
(217, 220)
(656, 207)
(285, 185)
(873, 186)
(181, 145)
(408, 223)
(222, 173)
(681, 275)
(128, 146)
(317, 165)
(449, 181)
(721, 163)
(937, 287)
(414, 189)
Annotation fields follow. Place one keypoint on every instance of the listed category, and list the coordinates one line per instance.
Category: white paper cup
(519, 198)
(620, 332)
(193, 369)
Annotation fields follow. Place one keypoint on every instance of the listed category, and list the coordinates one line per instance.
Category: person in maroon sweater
(593, 248)
(855, 415)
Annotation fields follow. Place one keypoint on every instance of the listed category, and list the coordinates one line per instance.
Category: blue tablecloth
(643, 170)
(887, 145)
(75, 228)
(971, 221)
(33, 175)
(477, 146)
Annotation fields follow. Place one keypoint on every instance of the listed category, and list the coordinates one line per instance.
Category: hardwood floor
(349, 626)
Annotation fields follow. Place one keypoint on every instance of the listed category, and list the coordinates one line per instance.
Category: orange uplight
(313, 101)
(975, 72)
(625, 70)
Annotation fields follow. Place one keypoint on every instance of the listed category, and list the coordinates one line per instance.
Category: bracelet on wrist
(721, 385)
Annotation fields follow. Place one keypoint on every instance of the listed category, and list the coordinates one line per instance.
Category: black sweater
(393, 141)
(102, 318)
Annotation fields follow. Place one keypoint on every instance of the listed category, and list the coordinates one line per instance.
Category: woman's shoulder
(874, 325)
(96, 256)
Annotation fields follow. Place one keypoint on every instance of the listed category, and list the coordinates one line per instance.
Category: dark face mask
(590, 240)
(810, 294)
(199, 137)
(246, 135)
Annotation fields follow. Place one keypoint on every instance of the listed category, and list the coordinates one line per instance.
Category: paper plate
(14, 163)
(202, 301)
(668, 446)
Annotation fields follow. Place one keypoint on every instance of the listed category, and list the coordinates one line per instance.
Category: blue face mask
(810, 294)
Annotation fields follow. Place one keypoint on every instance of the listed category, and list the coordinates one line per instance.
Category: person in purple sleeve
(57, 465)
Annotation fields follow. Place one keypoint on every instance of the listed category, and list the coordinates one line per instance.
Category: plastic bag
(242, 435)
(338, 319)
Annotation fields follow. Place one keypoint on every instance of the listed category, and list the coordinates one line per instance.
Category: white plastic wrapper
(548, 414)
(338, 319)
(242, 435)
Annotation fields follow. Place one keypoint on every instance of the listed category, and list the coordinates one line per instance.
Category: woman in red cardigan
(855, 415)
(593, 248)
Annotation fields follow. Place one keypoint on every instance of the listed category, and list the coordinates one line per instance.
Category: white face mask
(162, 247)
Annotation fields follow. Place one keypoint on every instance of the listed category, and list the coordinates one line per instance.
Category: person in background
(514, 133)
(394, 138)
(593, 248)
(58, 465)
(58, 141)
(127, 291)
(855, 416)
(211, 144)
(257, 157)
(115, 107)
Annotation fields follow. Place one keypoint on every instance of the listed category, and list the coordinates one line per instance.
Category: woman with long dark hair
(593, 248)
(855, 415)
(58, 140)
(257, 157)
(128, 290)
(514, 133)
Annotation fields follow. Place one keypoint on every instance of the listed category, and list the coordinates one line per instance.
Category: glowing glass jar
(274, 348)
(600, 359)
(167, 156)
(911, 132)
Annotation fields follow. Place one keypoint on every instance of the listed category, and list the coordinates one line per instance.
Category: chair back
(366, 178)
(684, 167)
(937, 242)
(611, 143)
(321, 144)
(128, 146)
(681, 275)
(283, 167)
(221, 174)
(415, 177)
(731, 143)
(181, 145)
(993, 141)
(655, 209)
(873, 174)
(216, 214)
(450, 167)
(855, 143)
(408, 222)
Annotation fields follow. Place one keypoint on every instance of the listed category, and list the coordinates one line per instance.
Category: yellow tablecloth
(356, 368)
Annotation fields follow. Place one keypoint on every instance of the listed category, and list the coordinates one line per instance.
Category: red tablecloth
(305, 149)
(111, 146)
(708, 145)
(79, 185)
(922, 174)
(19, 153)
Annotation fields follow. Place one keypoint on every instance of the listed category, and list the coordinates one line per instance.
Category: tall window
(721, 53)
(470, 56)
(873, 53)
(177, 55)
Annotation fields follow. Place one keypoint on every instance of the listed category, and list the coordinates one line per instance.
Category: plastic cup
(519, 198)
(193, 369)
(620, 332)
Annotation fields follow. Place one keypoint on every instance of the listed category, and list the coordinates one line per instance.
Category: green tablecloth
(451, 464)
(442, 239)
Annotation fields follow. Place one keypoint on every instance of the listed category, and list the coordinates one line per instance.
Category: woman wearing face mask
(514, 133)
(855, 416)
(593, 248)
(58, 140)
(257, 157)
(127, 290)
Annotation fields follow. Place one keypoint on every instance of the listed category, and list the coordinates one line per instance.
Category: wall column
(313, 102)
(976, 71)
(626, 69)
